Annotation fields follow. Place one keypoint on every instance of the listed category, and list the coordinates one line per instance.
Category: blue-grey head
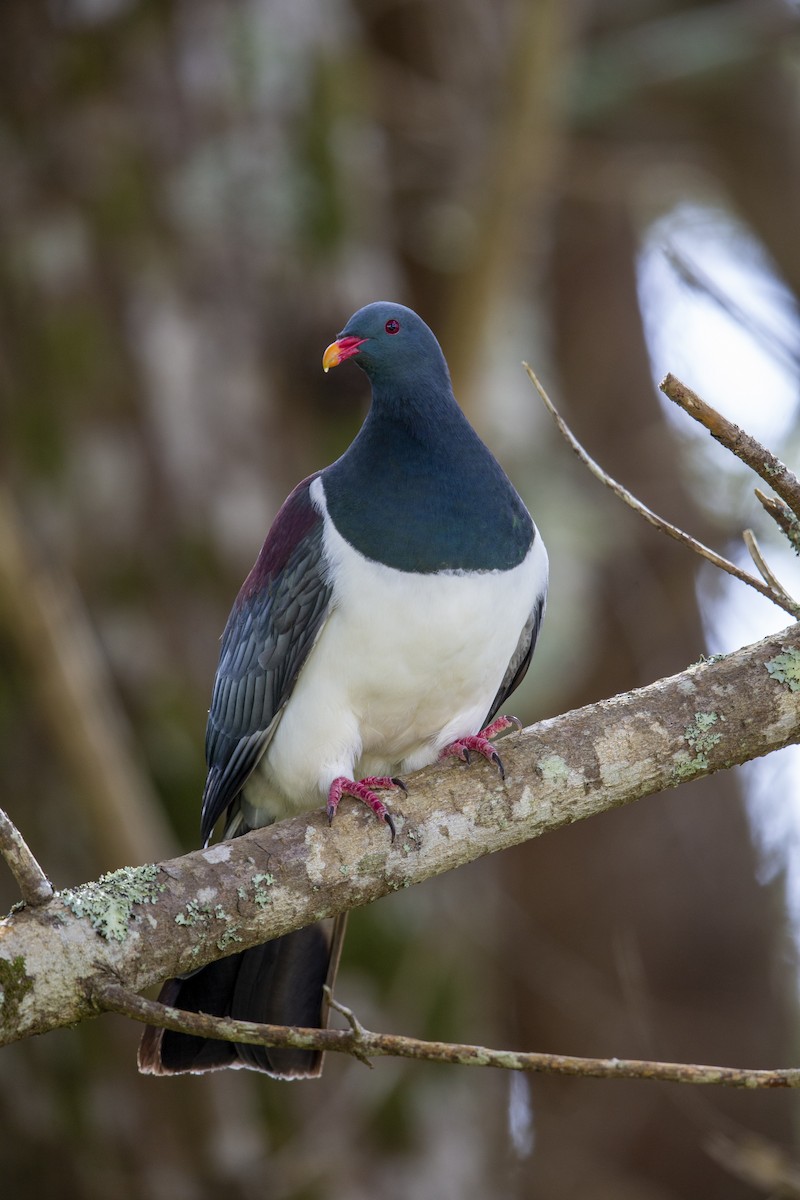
(393, 346)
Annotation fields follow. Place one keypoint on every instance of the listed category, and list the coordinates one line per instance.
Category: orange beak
(331, 357)
(340, 351)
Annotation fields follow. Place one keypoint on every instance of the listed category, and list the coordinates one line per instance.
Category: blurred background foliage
(193, 198)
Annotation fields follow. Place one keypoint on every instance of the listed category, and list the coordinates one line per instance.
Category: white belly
(405, 664)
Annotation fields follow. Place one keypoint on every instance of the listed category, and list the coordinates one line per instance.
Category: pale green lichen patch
(709, 658)
(699, 735)
(412, 838)
(785, 668)
(229, 938)
(686, 767)
(702, 738)
(107, 903)
(200, 913)
(15, 983)
(554, 769)
(261, 893)
(793, 531)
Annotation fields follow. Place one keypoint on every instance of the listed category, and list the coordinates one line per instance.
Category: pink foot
(363, 789)
(481, 743)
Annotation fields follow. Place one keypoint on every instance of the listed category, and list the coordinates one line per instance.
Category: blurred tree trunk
(751, 128)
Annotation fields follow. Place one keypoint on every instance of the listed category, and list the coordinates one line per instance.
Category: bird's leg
(364, 789)
(481, 743)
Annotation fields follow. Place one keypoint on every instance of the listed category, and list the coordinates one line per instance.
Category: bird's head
(391, 344)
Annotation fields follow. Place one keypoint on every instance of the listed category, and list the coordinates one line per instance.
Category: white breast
(405, 664)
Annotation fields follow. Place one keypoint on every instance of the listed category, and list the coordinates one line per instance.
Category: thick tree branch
(140, 925)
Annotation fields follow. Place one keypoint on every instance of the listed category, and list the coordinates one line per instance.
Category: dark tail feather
(278, 983)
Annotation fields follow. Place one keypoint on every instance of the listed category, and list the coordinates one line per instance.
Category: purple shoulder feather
(295, 519)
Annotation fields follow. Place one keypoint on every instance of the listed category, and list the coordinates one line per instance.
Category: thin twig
(114, 998)
(354, 1023)
(35, 888)
(743, 445)
(766, 570)
(780, 598)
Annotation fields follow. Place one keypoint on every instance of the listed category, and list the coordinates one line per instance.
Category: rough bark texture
(143, 924)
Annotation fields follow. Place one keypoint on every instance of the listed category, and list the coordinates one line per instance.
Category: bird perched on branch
(393, 608)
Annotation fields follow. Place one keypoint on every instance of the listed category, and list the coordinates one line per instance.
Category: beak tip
(332, 357)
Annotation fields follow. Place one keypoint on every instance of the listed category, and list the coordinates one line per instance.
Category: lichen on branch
(142, 925)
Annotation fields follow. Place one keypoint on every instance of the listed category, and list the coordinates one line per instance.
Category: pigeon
(393, 608)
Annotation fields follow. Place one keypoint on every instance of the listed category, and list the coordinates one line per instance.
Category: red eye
(392, 326)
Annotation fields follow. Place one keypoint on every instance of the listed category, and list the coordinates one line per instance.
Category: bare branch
(360, 1035)
(768, 574)
(140, 925)
(781, 598)
(364, 1044)
(743, 445)
(35, 888)
(783, 515)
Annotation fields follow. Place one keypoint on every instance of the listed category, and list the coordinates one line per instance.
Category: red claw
(481, 744)
(363, 789)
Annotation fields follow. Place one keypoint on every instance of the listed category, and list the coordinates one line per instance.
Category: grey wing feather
(521, 658)
(267, 639)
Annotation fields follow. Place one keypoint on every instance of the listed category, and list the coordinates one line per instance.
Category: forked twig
(365, 1044)
(777, 595)
(766, 570)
